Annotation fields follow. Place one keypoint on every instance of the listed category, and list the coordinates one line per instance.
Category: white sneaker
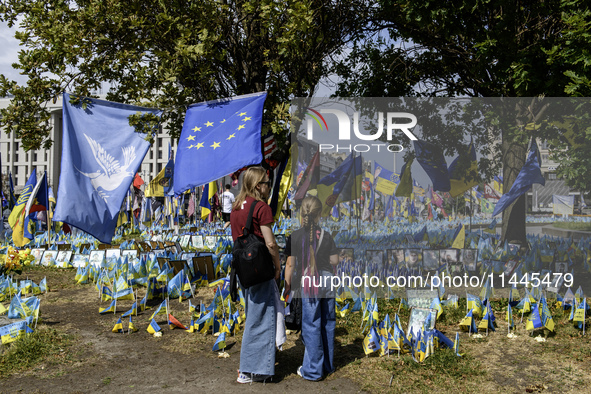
(249, 378)
(243, 378)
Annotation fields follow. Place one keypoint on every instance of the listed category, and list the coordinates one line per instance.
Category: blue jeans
(318, 325)
(257, 354)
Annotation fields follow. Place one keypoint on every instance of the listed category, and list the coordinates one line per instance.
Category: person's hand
(277, 273)
(286, 290)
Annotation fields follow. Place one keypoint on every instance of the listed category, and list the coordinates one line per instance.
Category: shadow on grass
(290, 359)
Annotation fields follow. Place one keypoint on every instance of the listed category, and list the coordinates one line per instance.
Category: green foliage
(31, 349)
(476, 48)
(169, 55)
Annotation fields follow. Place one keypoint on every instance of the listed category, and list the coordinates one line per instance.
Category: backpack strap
(320, 240)
(249, 220)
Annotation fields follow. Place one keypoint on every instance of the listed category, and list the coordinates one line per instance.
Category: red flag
(137, 181)
(172, 321)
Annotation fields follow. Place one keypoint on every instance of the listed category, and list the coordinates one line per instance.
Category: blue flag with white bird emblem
(101, 154)
(218, 138)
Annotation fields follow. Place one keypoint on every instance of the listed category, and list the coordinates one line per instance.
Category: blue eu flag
(218, 138)
(101, 154)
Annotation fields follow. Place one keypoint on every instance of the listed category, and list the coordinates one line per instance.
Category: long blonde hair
(250, 179)
(310, 212)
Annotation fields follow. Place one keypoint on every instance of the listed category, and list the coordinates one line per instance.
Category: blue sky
(9, 53)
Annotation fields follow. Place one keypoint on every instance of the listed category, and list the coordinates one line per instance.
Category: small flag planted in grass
(173, 322)
(220, 343)
(118, 326)
(110, 308)
(153, 327)
(132, 327)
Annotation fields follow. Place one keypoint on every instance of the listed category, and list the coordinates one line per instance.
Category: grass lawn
(573, 226)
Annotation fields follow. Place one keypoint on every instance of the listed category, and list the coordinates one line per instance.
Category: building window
(151, 154)
(151, 169)
(158, 167)
(34, 156)
(552, 176)
(16, 157)
(159, 153)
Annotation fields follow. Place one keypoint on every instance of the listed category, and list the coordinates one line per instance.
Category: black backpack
(252, 261)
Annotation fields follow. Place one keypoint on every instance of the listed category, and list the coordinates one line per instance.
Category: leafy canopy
(170, 54)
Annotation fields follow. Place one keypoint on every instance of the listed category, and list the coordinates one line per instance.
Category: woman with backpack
(257, 354)
(312, 254)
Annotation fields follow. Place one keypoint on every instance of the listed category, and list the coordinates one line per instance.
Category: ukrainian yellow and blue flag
(161, 310)
(344, 311)
(459, 237)
(468, 323)
(11, 332)
(132, 311)
(342, 185)
(436, 304)
(153, 327)
(371, 343)
(209, 191)
(458, 179)
(220, 343)
(510, 317)
(132, 327)
(534, 321)
(545, 315)
(16, 309)
(118, 326)
(16, 220)
(110, 308)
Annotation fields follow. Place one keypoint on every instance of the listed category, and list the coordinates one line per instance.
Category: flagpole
(355, 175)
(470, 210)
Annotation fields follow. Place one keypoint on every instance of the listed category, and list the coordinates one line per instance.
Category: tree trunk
(514, 152)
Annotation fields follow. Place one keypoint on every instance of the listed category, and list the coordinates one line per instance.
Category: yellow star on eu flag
(199, 145)
(246, 118)
(241, 127)
(215, 145)
(242, 114)
(223, 121)
(196, 128)
(231, 136)
(209, 124)
(191, 138)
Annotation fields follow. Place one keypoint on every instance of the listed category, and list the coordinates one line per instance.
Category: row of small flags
(8, 287)
(387, 337)
(20, 308)
(203, 321)
(539, 312)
